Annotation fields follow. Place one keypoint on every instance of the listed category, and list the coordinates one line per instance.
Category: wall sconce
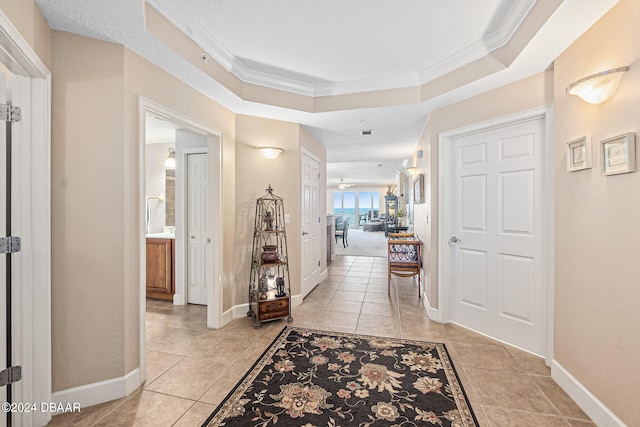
(170, 161)
(270, 152)
(599, 87)
(411, 170)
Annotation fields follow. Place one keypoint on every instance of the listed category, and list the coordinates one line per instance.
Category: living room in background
(359, 207)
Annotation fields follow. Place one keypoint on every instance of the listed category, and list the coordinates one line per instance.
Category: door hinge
(10, 375)
(318, 263)
(10, 245)
(9, 113)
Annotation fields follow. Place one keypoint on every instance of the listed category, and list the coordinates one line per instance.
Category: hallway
(190, 368)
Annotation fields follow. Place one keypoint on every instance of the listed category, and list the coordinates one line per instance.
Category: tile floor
(190, 368)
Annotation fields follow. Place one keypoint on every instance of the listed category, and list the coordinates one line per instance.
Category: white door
(311, 240)
(198, 237)
(498, 234)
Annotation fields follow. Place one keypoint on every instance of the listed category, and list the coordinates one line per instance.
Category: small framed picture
(619, 154)
(418, 189)
(579, 154)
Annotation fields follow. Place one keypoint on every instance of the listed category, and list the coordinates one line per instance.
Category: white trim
(32, 208)
(99, 392)
(235, 312)
(296, 300)
(214, 148)
(444, 177)
(301, 84)
(591, 405)
(432, 313)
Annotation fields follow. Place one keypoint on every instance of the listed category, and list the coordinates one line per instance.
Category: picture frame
(579, 154)
(618, 154)
(418, 189)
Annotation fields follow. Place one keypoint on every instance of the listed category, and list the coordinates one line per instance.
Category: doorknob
(208, 239)
(454, 239)
(304, 233)
(193, 237)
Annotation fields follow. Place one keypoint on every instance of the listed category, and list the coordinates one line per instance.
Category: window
(358, 207)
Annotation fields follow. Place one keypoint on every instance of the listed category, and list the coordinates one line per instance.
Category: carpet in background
(316, 378)
(363, 243)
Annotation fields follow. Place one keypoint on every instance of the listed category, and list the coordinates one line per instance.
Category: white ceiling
(338, 47)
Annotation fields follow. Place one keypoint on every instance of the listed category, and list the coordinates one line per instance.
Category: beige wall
(95, 217)
(88, 142)
(28, 20)
(146, 80)
(520, 96)
(253, 174)
(597, 320)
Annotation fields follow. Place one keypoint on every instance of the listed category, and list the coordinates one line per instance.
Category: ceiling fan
(342, 185)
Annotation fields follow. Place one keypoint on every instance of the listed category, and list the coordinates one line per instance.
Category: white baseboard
(433, 313)
(178, 300)
(324, 275)
(591, 405)
(235, 312)
(100, 392)
(296, 300)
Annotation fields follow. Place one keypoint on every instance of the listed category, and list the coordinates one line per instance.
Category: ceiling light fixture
(342, 185)
(597, 88)
(170, 161)
(412, 170)
(366, 132)
(270, 152)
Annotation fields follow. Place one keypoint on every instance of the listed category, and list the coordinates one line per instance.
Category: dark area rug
(315, 379)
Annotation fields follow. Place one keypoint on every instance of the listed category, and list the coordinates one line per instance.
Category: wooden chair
(404, 257)
(343, 232)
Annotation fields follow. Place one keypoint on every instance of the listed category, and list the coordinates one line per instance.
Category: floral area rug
(314, 378)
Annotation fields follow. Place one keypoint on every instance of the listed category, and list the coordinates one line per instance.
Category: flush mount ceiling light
(599, 87)
(366, 132)
(270, 152)
(170, 161)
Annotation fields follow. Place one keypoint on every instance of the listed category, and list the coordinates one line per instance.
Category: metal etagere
(269, 281)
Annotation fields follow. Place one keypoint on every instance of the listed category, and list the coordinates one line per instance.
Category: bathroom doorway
(163, 207)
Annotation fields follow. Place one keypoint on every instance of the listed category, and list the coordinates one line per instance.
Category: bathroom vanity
(160, 266)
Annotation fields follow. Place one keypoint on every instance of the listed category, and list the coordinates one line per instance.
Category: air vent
(366, 132)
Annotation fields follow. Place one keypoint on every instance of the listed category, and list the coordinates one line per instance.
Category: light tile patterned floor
(191, 368)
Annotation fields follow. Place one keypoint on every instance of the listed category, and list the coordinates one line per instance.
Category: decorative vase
(270, 254)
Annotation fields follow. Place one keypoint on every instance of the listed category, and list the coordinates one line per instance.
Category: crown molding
(264, 76)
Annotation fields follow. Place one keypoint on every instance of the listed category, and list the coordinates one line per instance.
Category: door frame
(182, 207)
(32, 222)
(214, 151)
(445, 292)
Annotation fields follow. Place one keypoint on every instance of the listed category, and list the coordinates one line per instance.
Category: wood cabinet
(269, 282)
(160, 268)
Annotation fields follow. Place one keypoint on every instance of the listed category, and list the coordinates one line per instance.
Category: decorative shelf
(269, 281)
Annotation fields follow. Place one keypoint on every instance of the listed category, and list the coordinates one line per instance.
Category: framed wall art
(418, 189)
(579, 154)
(618, 154)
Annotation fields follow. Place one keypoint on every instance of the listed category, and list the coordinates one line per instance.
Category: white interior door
(198, 237)
(498, 234)
(311, 240)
